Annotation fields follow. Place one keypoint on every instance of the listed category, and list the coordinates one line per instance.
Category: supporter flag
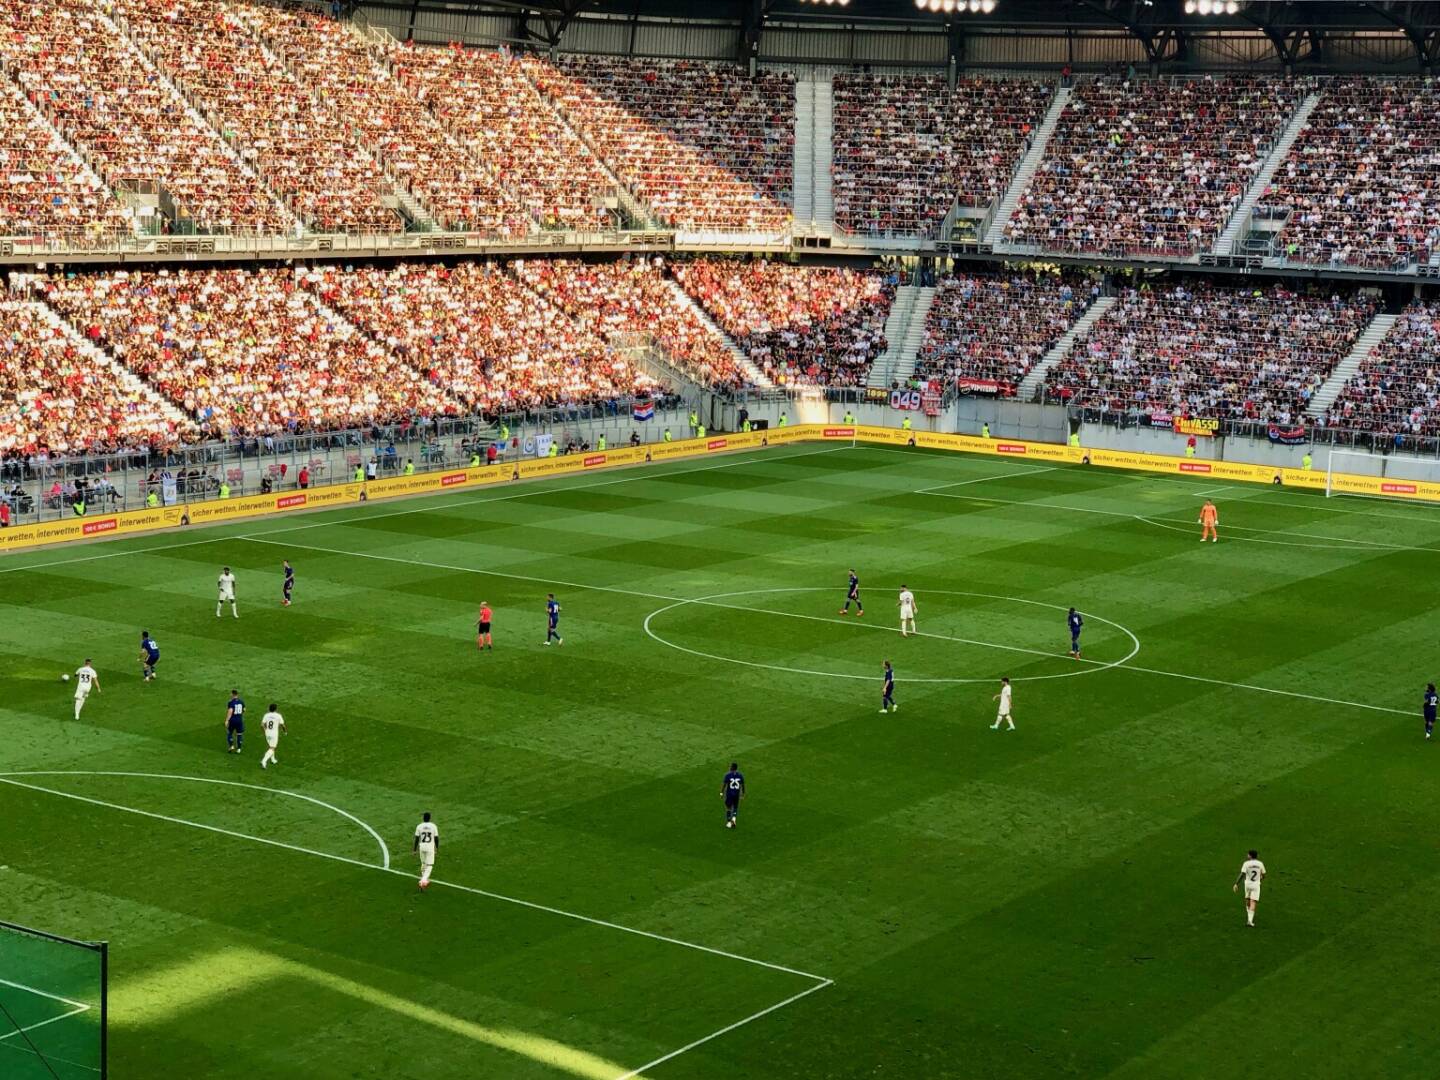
(1288, 436)
(644, 410)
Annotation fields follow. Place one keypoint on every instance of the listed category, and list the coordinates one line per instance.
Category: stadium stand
(486, 102)
(452, 184)
(245, 352)
(986, 332)
(56, 399)
(479, 333)
(1358, 187)
(1201, 350)
(632, 297)
(131, 127)
(1396, 392)
(303, 147)
(821, 326)
(1151, 167)
(45, 191)
(703, 145)
(906, 147)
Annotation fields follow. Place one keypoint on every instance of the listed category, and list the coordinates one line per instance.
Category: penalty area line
(640, 1072)
(347, 860)
(820, 981)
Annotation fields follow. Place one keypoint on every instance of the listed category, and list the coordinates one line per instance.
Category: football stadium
(700, 504)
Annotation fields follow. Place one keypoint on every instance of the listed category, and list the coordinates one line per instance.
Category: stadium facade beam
(1418, 22)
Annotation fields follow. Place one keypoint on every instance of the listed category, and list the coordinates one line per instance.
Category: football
(65, 677)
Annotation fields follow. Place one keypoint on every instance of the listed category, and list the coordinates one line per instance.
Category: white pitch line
(8, 779)
(725, 1030)
(708, 601)
(1348, 543)
(1343, 543)
(676, 601)
(110, 555)
(749, 457)
(768, 611)
(384, 850)
(534, 487)
(39, 1024)
(1030, 471)
(44, 994)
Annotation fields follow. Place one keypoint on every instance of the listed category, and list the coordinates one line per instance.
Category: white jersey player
(1252, 873)
(1003, 715)
(227, 592)
(427, 842)
(86, 679)
(907, 611)
(273, 725)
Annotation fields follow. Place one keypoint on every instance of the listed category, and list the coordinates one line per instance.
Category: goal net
(1362, 474)
(52, 1006)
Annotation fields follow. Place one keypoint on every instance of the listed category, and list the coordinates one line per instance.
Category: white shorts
(907, 613)
(1003, 715)
(82, 692)
(227, 596)
(272, 741)
(1252, 890)
(427, 858)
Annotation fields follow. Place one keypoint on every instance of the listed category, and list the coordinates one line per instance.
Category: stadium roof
(1293, 26)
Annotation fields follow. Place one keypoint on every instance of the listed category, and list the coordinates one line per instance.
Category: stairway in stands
(753, 373)
(1035, 377)
(1236, 227)
(122, 375)
(814, 151)
(904, 334)
(1364, 345)
(995, 234)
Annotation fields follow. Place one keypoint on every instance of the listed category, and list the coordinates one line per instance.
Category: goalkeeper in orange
(1209, 518)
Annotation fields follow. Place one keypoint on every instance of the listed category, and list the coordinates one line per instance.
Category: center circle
(1088, 667)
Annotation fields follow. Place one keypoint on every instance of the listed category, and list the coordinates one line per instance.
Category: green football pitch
(910, 895)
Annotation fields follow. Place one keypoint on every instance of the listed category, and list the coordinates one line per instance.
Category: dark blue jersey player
(235, 723)
(552, 620)
(852, 595)
(887, 702)
(289, 586)
(1075, 622)
(1431, 700)
(732, 790)
(149, 654)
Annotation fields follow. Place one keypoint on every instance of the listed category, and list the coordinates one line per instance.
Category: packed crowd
(56, 399)
(301, 145)
(44, 190)
(992, 329)
(100, 93)
(800, 325)
(907, 147)
(456, 186)
(705, 146)
(1397, 389)
(1151, 166)
(244, 352)
(1359, 184)
(1199, 350)
(633, 296)
(477, 332)
(485, 101)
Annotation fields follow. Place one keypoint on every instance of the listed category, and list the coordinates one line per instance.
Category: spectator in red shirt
(304, 477)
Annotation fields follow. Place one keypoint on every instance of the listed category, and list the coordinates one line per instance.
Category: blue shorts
(152, 659)
(236, 724)
(732, 800)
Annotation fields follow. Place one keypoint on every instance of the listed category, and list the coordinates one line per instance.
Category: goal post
(53, 1005)
(1362, 474)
